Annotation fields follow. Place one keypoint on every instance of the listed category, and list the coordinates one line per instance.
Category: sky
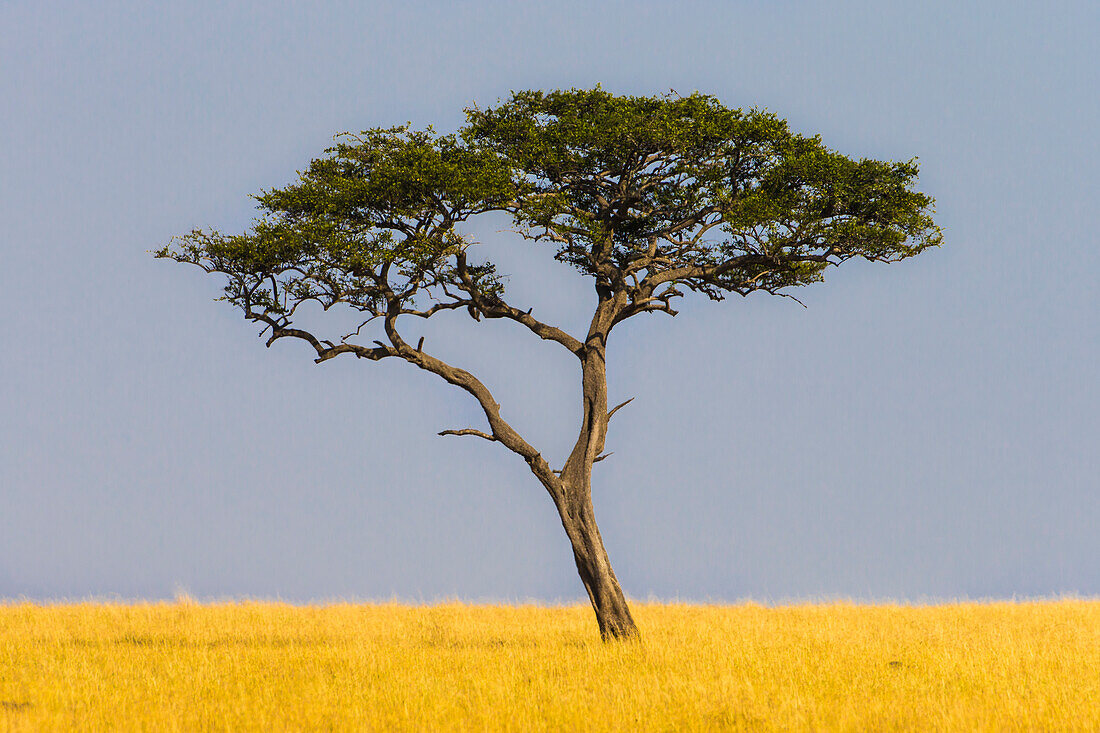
(921, 431)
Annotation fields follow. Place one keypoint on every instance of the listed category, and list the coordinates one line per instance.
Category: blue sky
(922, 430)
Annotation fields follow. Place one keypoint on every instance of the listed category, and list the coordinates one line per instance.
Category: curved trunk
(575, 500)
(608, 601)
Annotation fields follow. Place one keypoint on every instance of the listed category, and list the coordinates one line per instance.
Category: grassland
(264, 666)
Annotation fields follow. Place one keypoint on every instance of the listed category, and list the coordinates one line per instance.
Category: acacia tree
(649, 197)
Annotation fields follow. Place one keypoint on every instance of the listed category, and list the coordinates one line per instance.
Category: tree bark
(571, 490)
(575, 500)
(594, 567)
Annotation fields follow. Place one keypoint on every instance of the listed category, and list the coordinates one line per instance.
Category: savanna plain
(270, 666)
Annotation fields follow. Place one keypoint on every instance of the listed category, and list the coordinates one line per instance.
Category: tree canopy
(650, 197)
(647, 195)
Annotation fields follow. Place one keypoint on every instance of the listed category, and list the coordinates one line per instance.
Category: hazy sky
(922, 430)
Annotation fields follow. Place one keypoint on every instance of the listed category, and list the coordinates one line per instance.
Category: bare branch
(469, 431)
(361, 352)
(451, 305)
(360, 328)
(492, 306)
(788, 295)
(618, 407)
(502, 432)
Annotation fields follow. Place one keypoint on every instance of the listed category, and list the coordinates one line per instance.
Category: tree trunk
(575, 500)
(608, 601)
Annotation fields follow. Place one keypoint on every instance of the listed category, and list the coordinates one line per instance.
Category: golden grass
(268, 666)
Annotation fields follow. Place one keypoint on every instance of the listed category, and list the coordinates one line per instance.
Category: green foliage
(644, 194)
(370, 223)
(615, 179)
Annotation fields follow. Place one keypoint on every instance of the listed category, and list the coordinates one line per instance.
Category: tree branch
(469, 431)
(492, 306)
(618, 407)
(500, 430)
